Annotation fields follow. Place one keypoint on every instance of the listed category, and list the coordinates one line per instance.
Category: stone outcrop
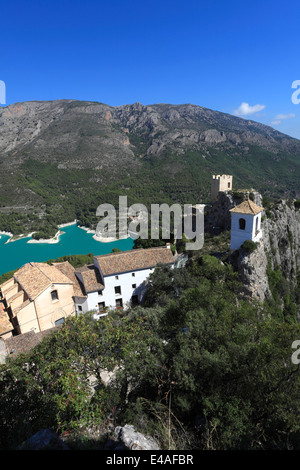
(123, 438)
(129, 438)
(217, 215)
(282, 237)
(46, 439)
(252, 269)
(278, 248)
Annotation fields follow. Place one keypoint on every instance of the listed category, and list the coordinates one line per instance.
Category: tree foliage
(218, 366)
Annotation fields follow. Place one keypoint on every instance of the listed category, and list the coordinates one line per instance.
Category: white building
(117, 280)
(245, 223)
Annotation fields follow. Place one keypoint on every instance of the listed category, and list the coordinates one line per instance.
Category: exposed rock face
(217, 215)
(282, 238)
(280, 246)
(126, 438)
(117, 142)
(133, 440)
(58, 130)
(253, 272)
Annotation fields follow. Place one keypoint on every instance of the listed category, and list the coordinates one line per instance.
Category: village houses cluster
(40, 296)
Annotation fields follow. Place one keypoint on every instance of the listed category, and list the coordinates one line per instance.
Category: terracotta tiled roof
(91, 278)
(9, 292)
(20, 307)
(11, 299)
(68, 270)
(53, 274)
(4, 283)
(134, 260)
(5, 324)
(34, 278)
(27, 341)
(247, 207)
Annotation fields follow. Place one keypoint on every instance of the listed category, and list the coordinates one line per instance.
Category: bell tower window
(242, 224)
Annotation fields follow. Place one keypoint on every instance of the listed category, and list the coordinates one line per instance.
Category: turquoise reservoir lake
(72, 241)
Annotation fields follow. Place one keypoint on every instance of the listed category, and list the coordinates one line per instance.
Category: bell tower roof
(247, 207)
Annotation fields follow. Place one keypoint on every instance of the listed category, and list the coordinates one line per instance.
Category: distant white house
(117, 280)
(245, 223)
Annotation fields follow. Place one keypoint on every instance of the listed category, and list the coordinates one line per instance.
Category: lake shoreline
(102, 239)
(52, 240)
(72, 242)
(56, 238)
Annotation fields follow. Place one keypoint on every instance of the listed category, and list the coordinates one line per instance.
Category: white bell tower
(245, 223)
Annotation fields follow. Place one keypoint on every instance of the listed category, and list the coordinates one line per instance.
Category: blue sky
(238, 57)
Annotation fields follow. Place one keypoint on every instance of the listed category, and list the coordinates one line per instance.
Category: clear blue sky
(214, 53)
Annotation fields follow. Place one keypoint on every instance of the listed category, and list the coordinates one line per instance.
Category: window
(100, 292)
(116, 277)
(101, 305)
(242, 224)
(119, 303)
(133, 286)
(60, 321)
(133, 274)
(79, 308)
(228, 185)
(118, 290)
(54, 295)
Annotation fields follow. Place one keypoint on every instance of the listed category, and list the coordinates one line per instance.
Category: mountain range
(60, 159)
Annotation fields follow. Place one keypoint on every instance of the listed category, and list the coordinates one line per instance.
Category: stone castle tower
(220, 183)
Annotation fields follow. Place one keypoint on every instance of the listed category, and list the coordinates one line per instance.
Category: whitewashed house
(117, 280)
(245, 223)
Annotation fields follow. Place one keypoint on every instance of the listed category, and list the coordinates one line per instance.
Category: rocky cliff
(279, 250)
(217, 215)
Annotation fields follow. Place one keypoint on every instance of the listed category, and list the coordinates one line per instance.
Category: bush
(249, 246)
(297, 204)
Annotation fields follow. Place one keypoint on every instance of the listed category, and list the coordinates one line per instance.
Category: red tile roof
(68, 270)
(247, 207)
(134, 260)
(25, 342)
(5, 324)
(34, 278)
(91, 278)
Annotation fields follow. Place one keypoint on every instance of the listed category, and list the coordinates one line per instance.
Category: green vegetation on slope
(87, 153)
(217, 365)
(66, 194)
